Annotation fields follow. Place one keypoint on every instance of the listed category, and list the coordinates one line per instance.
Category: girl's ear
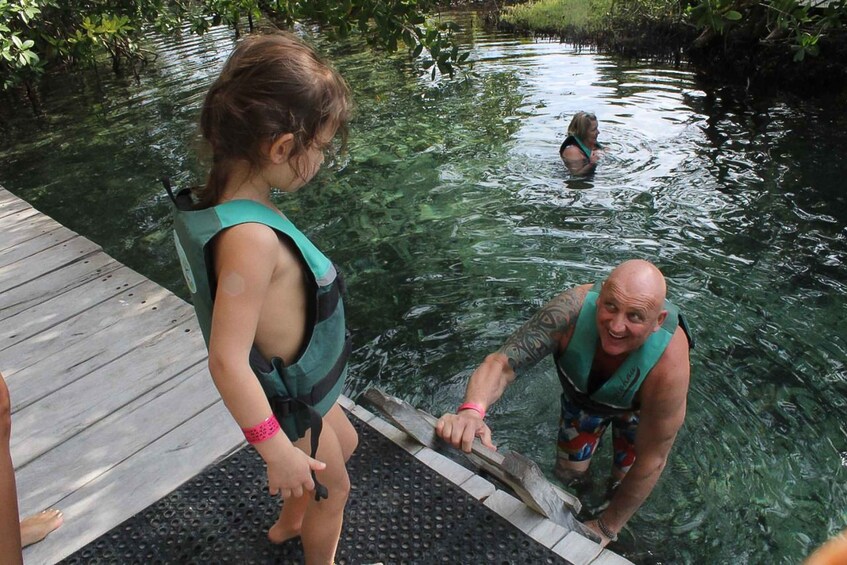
(281, 148)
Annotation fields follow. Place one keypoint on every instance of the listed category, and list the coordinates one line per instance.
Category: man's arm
(546, 331)
(663, 402)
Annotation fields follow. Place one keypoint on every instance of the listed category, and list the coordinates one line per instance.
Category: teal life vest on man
(304, 390)
(618, 392)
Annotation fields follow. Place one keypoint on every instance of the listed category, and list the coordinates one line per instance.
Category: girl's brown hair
(271, 85)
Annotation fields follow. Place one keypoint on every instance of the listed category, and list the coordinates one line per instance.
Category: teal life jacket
(301, 392)
(574, 140)
(616, 394)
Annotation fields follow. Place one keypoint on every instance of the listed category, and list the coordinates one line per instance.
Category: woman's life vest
(574, 140)
(616, 394)
(301, 392)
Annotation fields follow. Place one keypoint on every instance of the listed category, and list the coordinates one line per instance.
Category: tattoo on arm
(539, 336)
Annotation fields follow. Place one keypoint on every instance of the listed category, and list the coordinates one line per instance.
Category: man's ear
(661, 320)
(280, 148)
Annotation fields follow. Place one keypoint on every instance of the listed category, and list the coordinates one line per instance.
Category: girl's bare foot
(36, 527)
(281, 533)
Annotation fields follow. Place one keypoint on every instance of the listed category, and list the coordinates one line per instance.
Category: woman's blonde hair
(581, 123)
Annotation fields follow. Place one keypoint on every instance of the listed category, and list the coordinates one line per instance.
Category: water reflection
(454, 219)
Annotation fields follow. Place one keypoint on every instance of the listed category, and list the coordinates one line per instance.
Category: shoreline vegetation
(39, 37)
(762, 45)
(770, 45)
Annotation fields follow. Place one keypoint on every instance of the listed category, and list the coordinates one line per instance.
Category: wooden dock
(112, 404)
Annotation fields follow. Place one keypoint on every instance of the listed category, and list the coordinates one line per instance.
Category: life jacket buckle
(281, 406)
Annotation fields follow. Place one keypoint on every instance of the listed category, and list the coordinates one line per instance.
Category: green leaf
(732, 16)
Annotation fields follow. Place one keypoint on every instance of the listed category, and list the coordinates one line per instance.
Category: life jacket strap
(284, 406)
(328, 301)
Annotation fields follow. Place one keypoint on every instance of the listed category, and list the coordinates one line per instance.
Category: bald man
(621, 352)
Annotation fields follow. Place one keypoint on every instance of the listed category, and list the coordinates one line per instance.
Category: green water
(453, 220)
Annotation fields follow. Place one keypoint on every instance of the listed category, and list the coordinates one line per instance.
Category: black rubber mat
(399, 511)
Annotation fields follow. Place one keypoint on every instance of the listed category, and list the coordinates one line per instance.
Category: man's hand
(291, 474)
(459, 430)
(592, 525)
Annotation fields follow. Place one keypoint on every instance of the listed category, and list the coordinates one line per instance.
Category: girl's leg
(10, 531)
(322, 521)
(290, 522)
(344, 430)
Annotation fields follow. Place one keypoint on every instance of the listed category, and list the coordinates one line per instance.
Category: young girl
(267, 300)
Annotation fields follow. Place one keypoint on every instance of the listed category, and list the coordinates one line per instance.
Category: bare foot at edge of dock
(36, 527)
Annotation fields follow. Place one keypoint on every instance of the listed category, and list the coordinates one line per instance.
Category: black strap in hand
(316, 426)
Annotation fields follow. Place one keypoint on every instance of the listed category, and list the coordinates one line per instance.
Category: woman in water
(580, 150)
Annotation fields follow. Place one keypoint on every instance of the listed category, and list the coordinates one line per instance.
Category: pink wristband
(261, 432)
(472, 406)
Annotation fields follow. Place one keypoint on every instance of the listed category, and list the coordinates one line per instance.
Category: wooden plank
(56, 283)
(41, 379)
(480, 489)
(96, 395)
(100, 294)
(83, 458)
(126, 306)
(103, 322)
(25, 270)
(138, 481)
(6, 196)
(21, 216)
(578, 549)
(39, 242)
(548, 533)
(503, 503)
(14, 230)
(517, 471)
(399, 437)
(12, 206)
(448, 469)
(526, 519)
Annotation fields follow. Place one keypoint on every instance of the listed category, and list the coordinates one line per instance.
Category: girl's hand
(291, 474)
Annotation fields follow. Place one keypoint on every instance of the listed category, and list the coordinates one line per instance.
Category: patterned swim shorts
(580, 432)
